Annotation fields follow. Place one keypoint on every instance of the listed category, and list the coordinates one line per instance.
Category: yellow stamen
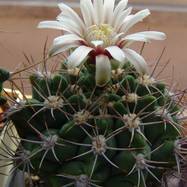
(103, 32)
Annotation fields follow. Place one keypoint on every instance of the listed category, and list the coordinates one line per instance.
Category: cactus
(74, 133)
(124, 131)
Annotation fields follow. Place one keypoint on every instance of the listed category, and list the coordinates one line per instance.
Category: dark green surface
(56, 141)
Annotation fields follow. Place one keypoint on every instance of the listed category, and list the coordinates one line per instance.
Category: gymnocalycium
(100, 119)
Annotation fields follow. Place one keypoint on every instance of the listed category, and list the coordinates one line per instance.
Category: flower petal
(98, 8)
(116, 53)
(137, 60)
(120, 7)
(78, 56)
(133, 38)
(116, 38)
(103, 70)
(120, 18)
(146, 36)
(59, 25)
(87, 11)
(97, 43)
(108, 10)
(56, 49)
(134, 19)
(69, 25)
(69, 22)
(64, 42)
(69, 12)
(118, 12)
(66, 39)
(50, 25)
(154, 35)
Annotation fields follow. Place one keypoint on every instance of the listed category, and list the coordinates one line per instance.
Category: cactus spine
(74, 133)
(100, 119)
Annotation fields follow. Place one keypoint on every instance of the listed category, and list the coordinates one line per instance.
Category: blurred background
(19, 33)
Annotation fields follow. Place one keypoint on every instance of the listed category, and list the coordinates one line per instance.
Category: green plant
(73, 132)
(121, 129)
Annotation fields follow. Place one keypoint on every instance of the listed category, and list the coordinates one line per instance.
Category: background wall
(19, 34)
(169, 2)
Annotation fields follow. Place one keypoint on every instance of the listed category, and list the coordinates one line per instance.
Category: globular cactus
(124, 131)
(73, 133)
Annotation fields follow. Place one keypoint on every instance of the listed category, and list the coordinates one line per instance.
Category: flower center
(100, 35)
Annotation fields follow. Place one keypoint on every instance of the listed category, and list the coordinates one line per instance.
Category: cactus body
(74, 133)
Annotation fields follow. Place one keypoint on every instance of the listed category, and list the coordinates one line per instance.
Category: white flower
(101, 32)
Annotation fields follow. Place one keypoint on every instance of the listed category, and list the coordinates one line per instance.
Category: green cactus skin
(4, 75)
(74, 133)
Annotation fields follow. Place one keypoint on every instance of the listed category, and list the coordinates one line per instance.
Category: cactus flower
(101, 33)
